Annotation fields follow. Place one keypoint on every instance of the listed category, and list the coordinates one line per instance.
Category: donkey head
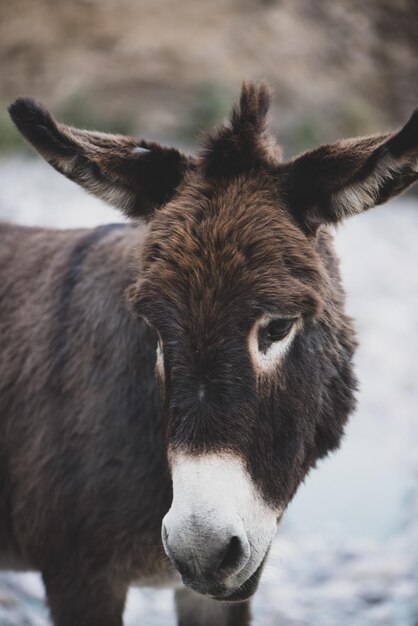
(239, 283)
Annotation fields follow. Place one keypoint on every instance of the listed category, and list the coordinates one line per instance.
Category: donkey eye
(276, 330)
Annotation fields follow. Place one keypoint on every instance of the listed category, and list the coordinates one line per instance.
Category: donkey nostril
(233, 555)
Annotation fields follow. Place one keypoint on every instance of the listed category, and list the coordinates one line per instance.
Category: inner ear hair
(335, 181)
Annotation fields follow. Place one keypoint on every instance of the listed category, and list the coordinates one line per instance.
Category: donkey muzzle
(218, 529)
(206, 555)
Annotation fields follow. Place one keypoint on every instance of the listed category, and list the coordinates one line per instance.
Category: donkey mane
(242, 144)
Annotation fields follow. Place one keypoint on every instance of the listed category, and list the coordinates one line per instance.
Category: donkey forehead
(237, 243)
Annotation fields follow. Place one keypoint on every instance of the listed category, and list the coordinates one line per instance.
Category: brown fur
(234, 233)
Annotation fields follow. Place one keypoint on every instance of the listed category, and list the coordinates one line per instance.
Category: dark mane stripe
(70, 279)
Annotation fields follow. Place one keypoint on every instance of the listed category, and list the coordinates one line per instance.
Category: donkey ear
(346, 178)
(135, 177)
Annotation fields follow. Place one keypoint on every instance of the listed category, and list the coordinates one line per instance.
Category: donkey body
(165, 388)
(83, 452)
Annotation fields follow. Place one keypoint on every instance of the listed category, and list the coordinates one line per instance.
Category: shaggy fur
(85, 426)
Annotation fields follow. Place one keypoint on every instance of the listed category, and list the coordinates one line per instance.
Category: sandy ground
(347, 553)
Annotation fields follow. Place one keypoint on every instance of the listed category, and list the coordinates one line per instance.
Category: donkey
(166, 384)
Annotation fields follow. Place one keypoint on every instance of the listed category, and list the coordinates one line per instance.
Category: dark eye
(276, 330)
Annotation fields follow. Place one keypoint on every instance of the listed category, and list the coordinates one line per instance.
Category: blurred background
(347, 552)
